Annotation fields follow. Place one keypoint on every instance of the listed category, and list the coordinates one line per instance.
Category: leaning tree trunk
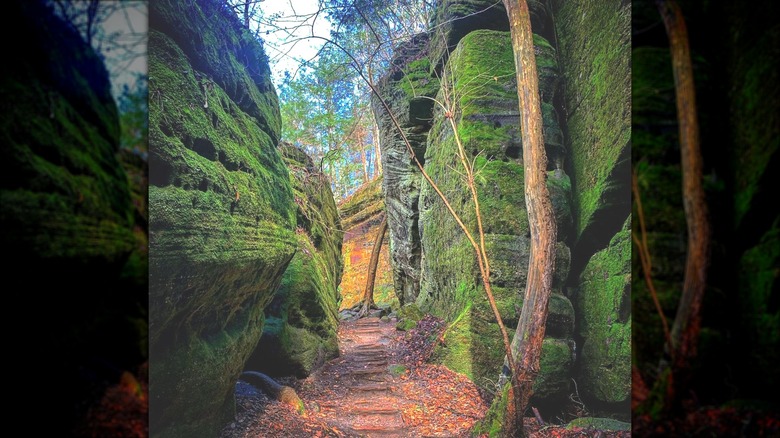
(368, 294)
(687, 322)
(527, 343)
(377, 152)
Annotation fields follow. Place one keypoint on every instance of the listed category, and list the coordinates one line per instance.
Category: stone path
(371, 405)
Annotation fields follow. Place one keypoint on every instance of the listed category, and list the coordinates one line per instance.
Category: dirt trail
(371, 404)
(379, 386)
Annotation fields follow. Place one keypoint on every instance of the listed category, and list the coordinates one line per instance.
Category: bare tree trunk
(687, 322)
(377, 151)
(363, 160)
(368, 294)
(527, 343)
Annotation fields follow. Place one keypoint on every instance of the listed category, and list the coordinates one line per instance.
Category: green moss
(605, 323)
(493, 423)
(222, 211)
(554, 369)
(455, 19)
(597, 76)
(758, 277)
(481, 80)
(754, 114)
(396, 370)
(367, 202)
(417, 80)
(306, 302)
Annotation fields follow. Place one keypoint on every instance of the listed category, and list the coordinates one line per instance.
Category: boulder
(222, 211)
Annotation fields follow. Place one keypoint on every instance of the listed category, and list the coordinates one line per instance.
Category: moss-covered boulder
(301, 321)
(604, 306)
(361, 215)
(405, 89)
(480, 72)
(67, 213)
(408, 316)
(222, 211)
(758, 274)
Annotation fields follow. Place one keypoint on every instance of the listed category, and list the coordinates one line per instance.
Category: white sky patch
(130, 24)
(287, 26)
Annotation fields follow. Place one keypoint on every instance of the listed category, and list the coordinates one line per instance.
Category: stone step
(370, 388)
(377, 430)
(369, 410)
(368, 371)
(369, 361)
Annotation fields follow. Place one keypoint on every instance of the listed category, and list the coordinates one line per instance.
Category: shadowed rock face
(222, 211)
(66, 214)
(301, 321)
(594, 53)
(403, 90)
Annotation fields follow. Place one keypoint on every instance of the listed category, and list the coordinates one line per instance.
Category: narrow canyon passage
(379, 386)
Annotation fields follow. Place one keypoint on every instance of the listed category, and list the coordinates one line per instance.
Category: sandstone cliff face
(361, 214)
(471, 61)
(222, 211)
(66, 215)
(405, 89)
(301, 322)
(480, 75)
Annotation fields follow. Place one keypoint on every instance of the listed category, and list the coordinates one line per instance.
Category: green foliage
(134, 115)
(323, 114)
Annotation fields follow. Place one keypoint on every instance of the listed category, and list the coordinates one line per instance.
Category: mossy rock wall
(222, 211)
(754, 98)
(66, 214)
(65, 195)
(301, 321)
(594, 49)
(604, 306)
(737, 93)
(404, 89)
(480, 76)
(361, 215)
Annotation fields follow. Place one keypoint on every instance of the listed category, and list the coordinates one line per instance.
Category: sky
(130, 24)
(286, 26)
(286, 48)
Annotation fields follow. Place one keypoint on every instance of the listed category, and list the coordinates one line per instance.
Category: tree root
(280, 393)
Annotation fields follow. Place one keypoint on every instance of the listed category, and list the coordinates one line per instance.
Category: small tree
(368, 293)
(527, 343)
